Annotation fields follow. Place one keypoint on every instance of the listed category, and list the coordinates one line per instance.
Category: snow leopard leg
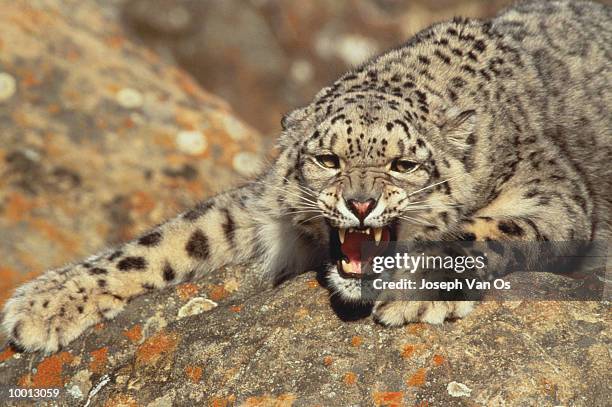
(55, 308)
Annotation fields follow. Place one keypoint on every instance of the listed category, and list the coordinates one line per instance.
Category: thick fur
(509, 122)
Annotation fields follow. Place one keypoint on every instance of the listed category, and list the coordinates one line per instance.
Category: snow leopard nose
(361, 209)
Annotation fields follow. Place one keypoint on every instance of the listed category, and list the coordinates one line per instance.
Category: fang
(341, 235)
(377, 235)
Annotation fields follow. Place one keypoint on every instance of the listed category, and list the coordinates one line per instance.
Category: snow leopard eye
(404, 166)
(328, 161)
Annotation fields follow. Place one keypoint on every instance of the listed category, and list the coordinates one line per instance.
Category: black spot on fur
(198, 211)
(151, 239)
(132, 263)
(17, 331)
(510, 228)
(115, 255)
(197, 246)
(480, 46)
(169, 273)
(45, 304)
(229, 227)
(468, 69)
(444, 217)
(445, 58)
(80, 309)
(423, 59)
(97, 270)
(101, 283)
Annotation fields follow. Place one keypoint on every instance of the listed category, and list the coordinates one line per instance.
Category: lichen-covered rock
(264, 346)
(100, 138)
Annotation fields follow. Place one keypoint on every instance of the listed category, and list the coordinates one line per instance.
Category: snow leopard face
(378, 172)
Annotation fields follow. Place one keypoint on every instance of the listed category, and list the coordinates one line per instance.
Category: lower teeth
(347, 267)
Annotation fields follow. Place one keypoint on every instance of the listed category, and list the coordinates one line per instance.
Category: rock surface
(102, 139)
(283, 346)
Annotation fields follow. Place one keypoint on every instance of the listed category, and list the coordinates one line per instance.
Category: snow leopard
(480, 130)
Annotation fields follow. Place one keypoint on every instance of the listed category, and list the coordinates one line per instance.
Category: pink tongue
(352, 245)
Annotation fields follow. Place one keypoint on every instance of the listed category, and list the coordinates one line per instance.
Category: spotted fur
(507, 123)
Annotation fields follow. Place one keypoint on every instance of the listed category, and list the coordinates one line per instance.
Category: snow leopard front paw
(397, 313)
(52, 310)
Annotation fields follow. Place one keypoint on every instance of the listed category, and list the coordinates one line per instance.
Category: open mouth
(353, 247)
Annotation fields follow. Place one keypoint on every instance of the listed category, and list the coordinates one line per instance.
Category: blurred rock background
(101, 138)
(266, 57)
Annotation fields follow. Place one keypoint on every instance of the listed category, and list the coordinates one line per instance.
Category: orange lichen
(52, 233)
(328, 360)
(17, 207)
(121, 400)
(134, 334)
(9, 279)
(115, 41)
(438, 360)
(99, 326)
(194, 373)
(98, 360)
(415, 328)
(222, 401)
(155, 347)
(312, 283)
(408, 351)
(284, 400)
(30, 79)
(236, 308)
(349, 378)
(417, 379)
(356, 341)
(142, 202)
(187, 291)
(388, 398)
(48, 372)
(7, 353)
(218, 292)
(189, 86)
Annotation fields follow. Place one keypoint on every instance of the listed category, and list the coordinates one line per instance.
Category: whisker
(432, 185)
(418, 208)
(303, 188)
(302, 211)
(417, 221)
(311, 218)
(294, 194)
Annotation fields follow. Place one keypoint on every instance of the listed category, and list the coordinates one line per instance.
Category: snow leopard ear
(457, 126)
(294, 118)
(293, 125)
